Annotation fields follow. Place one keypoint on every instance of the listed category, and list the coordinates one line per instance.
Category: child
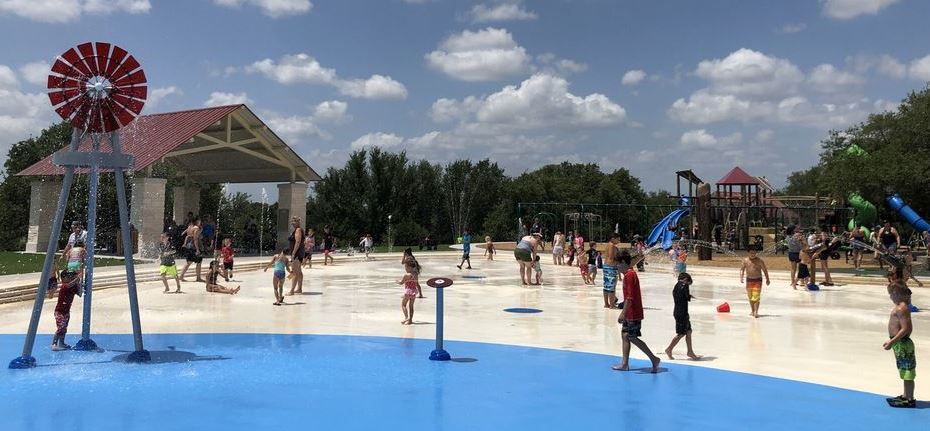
(593, 257)
(899, 332)
(412, 266)
(753, 268)
(681, 294)
(69, 287)
(538, 268)
(489, 249)
(228, 254)
(466, 249)
(309, 245)
(410, 295)
(909, 267)
(631, 317)
(75, 258)
(167, 267)
(681, 262)
(640, 248)
(212, 285)
(804, 276)
(571, 254)
(279, 262)
(366, 243)
(583, 268)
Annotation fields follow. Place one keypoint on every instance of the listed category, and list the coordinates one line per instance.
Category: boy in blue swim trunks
(899, 332)
(280, 264)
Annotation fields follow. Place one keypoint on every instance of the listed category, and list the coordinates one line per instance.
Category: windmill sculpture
(98, 88)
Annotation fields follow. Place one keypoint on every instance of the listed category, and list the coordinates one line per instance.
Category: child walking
(167, 267)
(69, 287)
(681, 262)
(227, 253)
(279, 262)
(537, 267)
(631, 317)
(466, 249)
(593, 257)
(804, 275)
(681, 294)
(213, 286)
(410, 295)
(583, 269)
(753, 268)
(899, 332)
(489, 249)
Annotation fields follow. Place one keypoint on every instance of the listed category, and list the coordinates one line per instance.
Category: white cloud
(36, 73)
(219, 98)
(8, 78)
(849, 9)
(507, 11)
(891, 67)
(792, 28)
(540, 101)
(553, 64)
(701, 139)
(295, 128)
(272, 8)
(305, 69)
(377, 87)
(60, 11)
(919, 69)
(826, 78)
(331, 111)
(750, 73)
(156, 95)
(484, 55)
(21, 114)
(633, 77)
(379, 139)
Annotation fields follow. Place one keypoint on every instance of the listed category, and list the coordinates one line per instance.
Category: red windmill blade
(97, 87)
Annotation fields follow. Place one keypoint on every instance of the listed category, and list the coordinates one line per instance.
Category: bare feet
(694, 357)
(236, 290)
(669, 353)
(621, 367)
(177, 291)
(655, 364)
(166, 291)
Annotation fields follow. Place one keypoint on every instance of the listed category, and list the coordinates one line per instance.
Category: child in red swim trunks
(69, 287)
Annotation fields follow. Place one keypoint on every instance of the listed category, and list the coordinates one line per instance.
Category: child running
(681, 294)
(805, 257)
(753, 268)
(410, 295)
(583, 268)
(69, 287)
(899, 332)
(213, 286)
(228, 253)
(593, 256)
(279, 262)
(631, 317)
(489, 249)
(167, 267)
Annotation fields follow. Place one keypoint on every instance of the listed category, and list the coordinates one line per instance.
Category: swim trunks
(169, 270)
(632, 329)
(754, 289)
(794, 256)
(410, 288)
(803, 271)
(279, 274)
(610, 279)
(682, 325)
(228, 265)
(523, 255)
(557, 250)
(74, 266)
(681, 267)
(905, 359)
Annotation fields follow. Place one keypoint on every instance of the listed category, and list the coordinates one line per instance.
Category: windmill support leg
(27, 360)
(86, 343)
(140, 354)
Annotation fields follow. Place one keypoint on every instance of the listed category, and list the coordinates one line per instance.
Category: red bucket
(723, 308)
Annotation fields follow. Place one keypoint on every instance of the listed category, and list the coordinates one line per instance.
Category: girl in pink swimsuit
(410, 295)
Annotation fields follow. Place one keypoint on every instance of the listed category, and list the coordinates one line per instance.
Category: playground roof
(210, 145)
(738, 177)
(690, 176)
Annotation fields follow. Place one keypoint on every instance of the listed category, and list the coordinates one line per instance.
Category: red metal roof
(737, 176)
(149, 138)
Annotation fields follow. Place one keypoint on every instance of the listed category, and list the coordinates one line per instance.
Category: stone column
(147, 213)
(186, 199)
(42, 200)
(292, 201)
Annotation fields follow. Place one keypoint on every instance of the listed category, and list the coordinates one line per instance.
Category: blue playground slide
(661, 232)
(908, 214)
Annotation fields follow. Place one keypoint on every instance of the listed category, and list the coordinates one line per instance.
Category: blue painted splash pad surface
(261, 381)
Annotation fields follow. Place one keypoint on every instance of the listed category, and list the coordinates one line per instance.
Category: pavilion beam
(210, 147)
(267, 145)
(252, 153)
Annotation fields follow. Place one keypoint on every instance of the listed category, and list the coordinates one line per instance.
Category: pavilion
(224, 144)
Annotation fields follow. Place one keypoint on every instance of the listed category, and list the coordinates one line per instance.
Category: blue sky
(652, 86)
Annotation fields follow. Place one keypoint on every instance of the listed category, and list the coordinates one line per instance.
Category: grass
(12, 262)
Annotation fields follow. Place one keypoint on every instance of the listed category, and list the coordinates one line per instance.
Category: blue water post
(439, 354)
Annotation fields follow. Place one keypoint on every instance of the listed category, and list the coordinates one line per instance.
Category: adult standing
(525, 253)
(78, 234)
(193, 248)
(558, 244)
(795, 242)
(889, 238)
(296, 249)
(828, 241)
